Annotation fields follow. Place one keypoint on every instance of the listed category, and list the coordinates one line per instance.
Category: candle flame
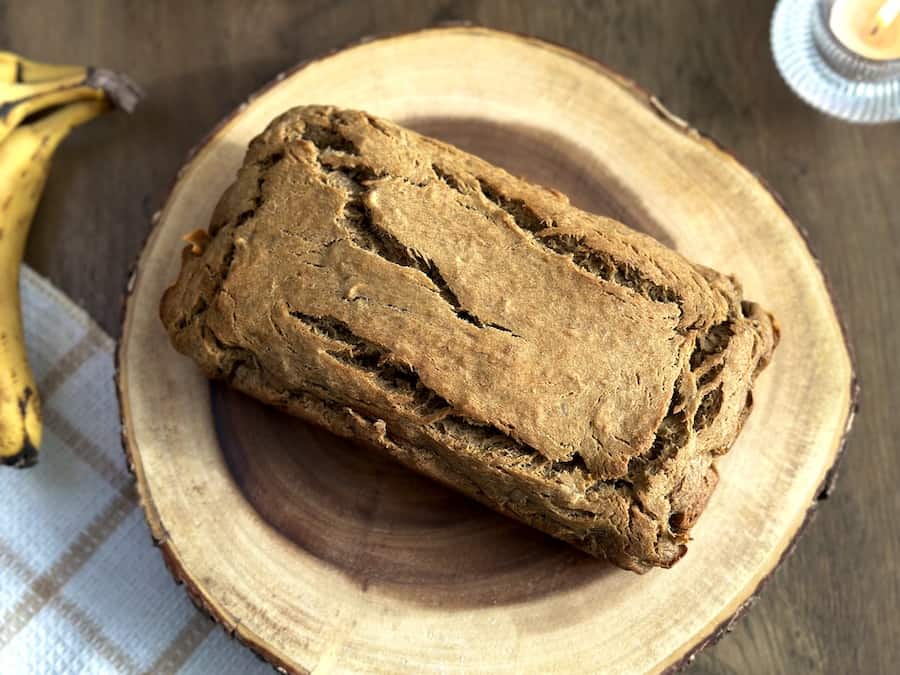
(888, 13)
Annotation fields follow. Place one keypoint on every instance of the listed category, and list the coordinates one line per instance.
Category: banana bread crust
(551, 363)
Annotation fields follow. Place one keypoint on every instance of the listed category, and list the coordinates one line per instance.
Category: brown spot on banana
(23, 402)
(27, 456)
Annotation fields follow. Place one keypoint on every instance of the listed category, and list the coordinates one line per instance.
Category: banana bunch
(39, 105)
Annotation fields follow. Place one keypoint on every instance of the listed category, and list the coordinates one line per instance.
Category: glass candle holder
(841, 56)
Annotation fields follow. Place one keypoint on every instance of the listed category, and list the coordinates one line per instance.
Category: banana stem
(16, 112)
(14, 92)
(34, 71)
(14, 68)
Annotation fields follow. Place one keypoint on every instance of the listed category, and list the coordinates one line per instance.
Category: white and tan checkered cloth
(82, 589)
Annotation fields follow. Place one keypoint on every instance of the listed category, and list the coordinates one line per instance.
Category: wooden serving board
(322, 556)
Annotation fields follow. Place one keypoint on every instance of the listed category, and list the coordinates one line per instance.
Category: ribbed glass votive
(824, 72)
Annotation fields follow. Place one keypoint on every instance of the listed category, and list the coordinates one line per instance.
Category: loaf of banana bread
(553, 364)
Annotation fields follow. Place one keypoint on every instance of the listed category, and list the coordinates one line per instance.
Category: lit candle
(841, 56)
(869, 28)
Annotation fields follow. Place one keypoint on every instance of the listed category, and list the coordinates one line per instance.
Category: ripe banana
(24, 165)
(50, 99)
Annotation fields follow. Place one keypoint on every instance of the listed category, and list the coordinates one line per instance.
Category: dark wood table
(834, 606)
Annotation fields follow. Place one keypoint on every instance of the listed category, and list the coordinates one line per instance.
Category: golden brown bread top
(423, 289)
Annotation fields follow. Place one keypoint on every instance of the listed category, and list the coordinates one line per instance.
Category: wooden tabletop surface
(834, 605)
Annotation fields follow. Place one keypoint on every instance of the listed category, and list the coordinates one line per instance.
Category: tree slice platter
(323, 556)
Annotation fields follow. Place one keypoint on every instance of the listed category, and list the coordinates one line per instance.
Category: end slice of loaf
(551, 363)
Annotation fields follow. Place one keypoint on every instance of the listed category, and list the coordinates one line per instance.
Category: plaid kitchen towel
(82, 589)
